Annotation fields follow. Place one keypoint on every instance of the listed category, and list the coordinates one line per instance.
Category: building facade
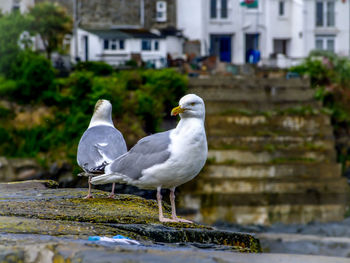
(283, 31)
(7, 6)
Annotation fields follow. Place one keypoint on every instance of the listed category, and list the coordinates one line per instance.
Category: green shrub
(35, 76)
(98, 68)
(330, 76)
(140, 100)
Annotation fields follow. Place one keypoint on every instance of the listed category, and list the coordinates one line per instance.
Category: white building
(7, 6)
(117, 46)
(284, 31)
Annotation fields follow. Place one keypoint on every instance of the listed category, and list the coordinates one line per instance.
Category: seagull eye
(192, 104)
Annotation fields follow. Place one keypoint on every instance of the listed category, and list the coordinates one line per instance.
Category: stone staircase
(271, 155)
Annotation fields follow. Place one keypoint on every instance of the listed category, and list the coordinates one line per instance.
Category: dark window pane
(121, 44)
(156, 45)
(105, 44)
(113, 45)
(146, 44)
(330, 45)
(212, 8)
(319, 44)
(223, 8)
(281, 8)
(319, 14)
(330, 13)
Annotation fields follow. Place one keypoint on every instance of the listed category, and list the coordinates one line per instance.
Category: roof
(122, 33)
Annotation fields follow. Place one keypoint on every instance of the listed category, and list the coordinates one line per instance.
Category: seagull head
(102, 114)
(190, 106)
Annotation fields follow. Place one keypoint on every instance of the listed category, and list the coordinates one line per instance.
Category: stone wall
(109, 13)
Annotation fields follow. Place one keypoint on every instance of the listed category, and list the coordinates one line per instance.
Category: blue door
(220, 46)
(225, 49)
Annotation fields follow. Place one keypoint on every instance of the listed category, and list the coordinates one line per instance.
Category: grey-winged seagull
(166, 159)
(100, 144)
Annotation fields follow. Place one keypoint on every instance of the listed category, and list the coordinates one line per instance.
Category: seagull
(100, 144)
(166, 159)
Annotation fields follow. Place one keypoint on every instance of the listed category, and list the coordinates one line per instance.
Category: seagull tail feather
(104, 179)
(108, 178)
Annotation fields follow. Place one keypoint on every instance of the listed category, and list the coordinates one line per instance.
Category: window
(223, 8)
(325, 43)
(212, 8)
(161, 11)
(219, 9)
(16, 5)
(121, 44)
(113, 44)
(105, 44)
(156, 45)
(146, 45)
(325, 14)
(280, 46)
(281, 8)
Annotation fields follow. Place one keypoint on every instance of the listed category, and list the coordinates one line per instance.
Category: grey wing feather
(98, 146)
(148, 151)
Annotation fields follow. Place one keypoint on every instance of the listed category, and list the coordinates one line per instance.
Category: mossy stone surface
(36, 207)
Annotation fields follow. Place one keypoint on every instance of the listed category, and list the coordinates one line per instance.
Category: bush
(330, 76)
(35, 76)
(139, 99)
(98, 68)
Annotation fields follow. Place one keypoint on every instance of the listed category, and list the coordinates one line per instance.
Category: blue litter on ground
(119, 239)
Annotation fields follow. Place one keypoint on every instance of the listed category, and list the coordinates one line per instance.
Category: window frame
(149, 44)
(281, 8)
(324, 17)
(108, 44)
(161, 11)
(217, 12)
(325, 42)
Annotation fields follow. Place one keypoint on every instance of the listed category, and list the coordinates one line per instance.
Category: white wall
(6, 5)
(297, 26)
(117, 57)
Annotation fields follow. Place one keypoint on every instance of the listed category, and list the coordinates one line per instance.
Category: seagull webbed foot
(182, 220)
(164, 219)
(88, 196)
(111, 196)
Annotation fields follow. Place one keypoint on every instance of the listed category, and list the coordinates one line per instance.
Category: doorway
(220, 46)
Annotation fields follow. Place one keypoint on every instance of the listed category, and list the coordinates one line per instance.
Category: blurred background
(274, 75)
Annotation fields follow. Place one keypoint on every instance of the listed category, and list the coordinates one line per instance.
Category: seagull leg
(112, 193)
(159, 199)
(173, 208)
(89, 193)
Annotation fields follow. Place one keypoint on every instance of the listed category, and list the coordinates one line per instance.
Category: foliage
(34, 75)
(330, 76)
(11, 27)
(140, 100)
(52, 23)
(98, 68)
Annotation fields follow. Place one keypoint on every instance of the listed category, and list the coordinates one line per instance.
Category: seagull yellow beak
(176, 111)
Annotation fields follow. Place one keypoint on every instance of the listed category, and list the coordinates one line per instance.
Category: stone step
(270, 171)
(274, 125)
(278, 156)
(247, 106)
(268, 214)
(271, 143)
(252, 90)
(249, 83)
(269, 186)
(259, 199)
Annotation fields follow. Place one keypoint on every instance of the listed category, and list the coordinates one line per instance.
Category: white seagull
(166, 159)
(100, 144)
